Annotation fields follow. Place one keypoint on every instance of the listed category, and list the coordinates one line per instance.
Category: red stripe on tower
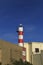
(20, 35)
(20, 40)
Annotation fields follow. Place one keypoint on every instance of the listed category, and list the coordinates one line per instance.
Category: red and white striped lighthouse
(20, 35)
(21, 41)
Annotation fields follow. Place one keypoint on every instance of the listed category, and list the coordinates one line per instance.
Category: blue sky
(27, 12)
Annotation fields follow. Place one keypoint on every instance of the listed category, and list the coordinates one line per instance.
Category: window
(36, 50)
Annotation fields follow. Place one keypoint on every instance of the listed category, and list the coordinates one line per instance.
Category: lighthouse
(20, 35)
(21, 41)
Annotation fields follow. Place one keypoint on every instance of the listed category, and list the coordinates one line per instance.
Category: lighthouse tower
(21, 41)
(20, 35)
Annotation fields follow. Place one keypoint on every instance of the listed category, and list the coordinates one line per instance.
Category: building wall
(37, 45)
(9, 51)
(28, 51)
(41, 46)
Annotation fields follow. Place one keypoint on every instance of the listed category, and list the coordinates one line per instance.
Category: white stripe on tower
(20, 35)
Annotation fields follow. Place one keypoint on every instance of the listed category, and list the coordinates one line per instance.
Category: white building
(32, 49)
